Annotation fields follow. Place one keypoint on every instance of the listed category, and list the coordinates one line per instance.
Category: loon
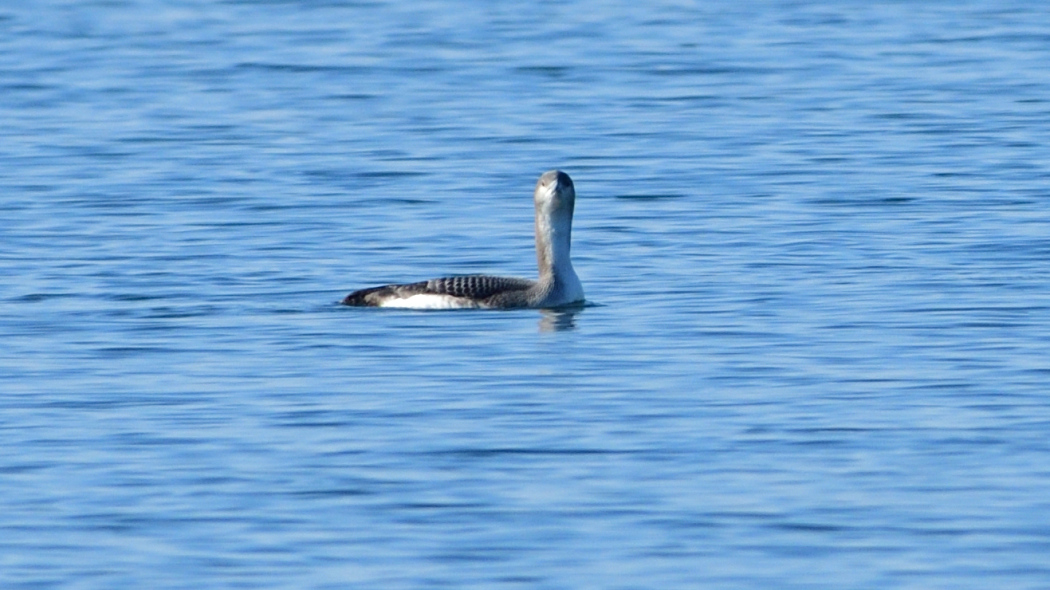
(558, 285)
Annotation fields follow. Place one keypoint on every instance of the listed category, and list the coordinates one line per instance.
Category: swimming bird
(558, 285)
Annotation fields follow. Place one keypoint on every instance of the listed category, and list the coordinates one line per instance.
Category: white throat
(554, 242)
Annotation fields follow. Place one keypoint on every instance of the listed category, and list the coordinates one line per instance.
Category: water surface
(815, 236)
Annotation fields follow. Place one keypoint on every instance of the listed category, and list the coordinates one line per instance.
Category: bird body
(558, 285)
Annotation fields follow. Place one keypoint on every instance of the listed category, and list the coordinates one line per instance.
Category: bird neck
(553, 242)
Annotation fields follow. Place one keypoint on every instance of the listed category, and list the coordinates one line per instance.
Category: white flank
(429, 301)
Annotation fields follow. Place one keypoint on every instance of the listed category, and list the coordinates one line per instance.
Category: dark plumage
(480, 288)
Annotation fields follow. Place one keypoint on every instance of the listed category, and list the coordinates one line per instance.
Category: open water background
(816, 235)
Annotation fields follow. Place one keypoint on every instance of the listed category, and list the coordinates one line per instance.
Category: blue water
(815, 236)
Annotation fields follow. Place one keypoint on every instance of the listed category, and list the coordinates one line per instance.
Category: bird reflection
(558, 320)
